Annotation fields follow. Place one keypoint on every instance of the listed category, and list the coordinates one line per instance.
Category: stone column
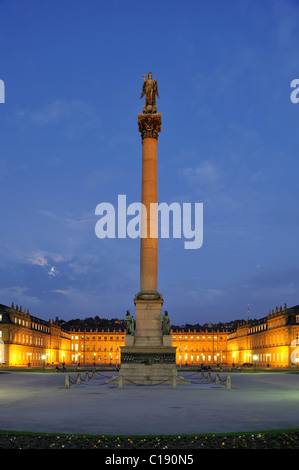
(149, 127)
(148, 357)
(149, 243)
(148, 301)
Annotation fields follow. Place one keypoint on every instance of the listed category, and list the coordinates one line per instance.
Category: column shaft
(149, 223)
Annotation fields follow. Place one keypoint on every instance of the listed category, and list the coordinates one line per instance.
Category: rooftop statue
(150, 91)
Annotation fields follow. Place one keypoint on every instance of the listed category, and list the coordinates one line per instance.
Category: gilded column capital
(149, 125)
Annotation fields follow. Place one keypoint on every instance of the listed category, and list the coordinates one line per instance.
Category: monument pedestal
(144, 358)
(148, 357)
(148, 332)
(149, 366)
(144, 373)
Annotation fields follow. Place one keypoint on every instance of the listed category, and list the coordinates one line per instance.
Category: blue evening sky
(69, 140)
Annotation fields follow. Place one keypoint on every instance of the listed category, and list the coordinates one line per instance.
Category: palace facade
(271, 341)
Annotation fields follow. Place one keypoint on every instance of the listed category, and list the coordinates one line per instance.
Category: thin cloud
(209, 181)
(74, 117)
(42, 258)
(206, 174)
(75, 223)
(19, 295)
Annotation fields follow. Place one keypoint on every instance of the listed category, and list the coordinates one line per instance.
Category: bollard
(174, 381)
(67, 381)
(120, 382)
(209, 376)
(202, 375)
(86, 377)
(217, 379)
(228, 382)
(78, 380)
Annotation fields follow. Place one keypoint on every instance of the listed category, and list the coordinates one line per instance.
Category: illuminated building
(96, 346)
(200, 347)
(269, 341)
(25, 339)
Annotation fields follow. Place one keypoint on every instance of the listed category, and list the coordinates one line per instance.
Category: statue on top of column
(150, 91)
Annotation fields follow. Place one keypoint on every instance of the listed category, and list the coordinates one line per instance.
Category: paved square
(40, 402)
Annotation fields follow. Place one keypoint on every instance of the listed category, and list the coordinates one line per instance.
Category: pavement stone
(40, 402)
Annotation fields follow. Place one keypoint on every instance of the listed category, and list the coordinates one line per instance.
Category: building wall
(30, 340)
(272, 340)
(200, 347)
(96, 347)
